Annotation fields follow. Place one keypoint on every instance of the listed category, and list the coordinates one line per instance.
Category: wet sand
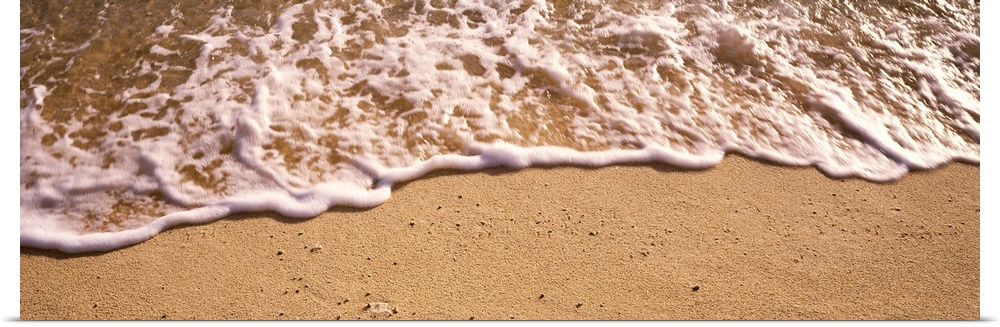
(743, 240)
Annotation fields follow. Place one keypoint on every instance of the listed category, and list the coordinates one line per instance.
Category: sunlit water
(135, 118)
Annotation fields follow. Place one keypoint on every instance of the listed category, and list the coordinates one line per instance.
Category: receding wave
(135, 118)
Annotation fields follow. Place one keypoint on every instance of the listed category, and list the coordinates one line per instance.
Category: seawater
(138, 117)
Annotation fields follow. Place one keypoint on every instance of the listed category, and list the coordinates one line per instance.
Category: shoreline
(741, 240)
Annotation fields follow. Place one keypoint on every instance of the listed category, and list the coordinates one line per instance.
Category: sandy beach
(744, 240)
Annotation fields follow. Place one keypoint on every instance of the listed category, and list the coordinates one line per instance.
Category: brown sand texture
(743, 240)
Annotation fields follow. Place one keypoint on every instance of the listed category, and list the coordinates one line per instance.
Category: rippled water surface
(138, 117)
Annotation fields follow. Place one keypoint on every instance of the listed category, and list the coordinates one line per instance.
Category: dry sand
(743, 240)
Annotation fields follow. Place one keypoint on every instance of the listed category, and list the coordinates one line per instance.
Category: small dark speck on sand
(541, 296)
(280, 252)
(578, 305)
(695, 289)
(459, 196)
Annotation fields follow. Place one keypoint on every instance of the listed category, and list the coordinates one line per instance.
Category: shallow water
(139, 117)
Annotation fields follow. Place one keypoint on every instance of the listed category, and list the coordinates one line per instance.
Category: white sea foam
(316, 105)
